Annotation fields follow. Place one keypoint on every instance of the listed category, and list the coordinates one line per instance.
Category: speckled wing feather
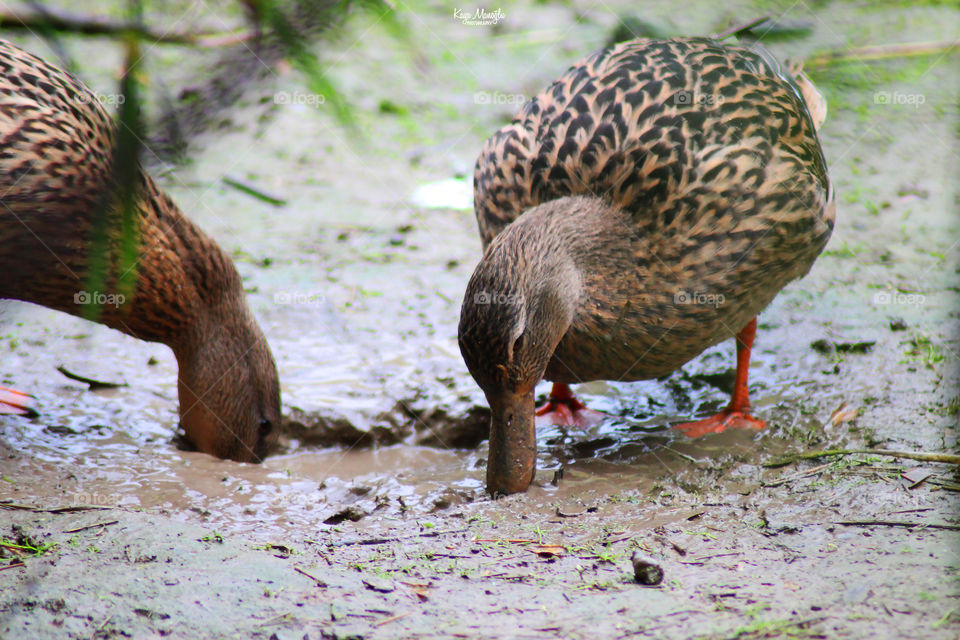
(678, 133)
(49, 122)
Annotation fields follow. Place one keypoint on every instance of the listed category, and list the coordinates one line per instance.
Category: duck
(647, 205)
(56, 150)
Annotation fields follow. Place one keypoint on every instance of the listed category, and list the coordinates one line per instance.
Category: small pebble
(646, 570)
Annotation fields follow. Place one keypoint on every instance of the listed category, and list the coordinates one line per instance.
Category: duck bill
(513, 444)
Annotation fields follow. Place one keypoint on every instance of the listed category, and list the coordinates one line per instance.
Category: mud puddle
(316, 479)
(374, 426)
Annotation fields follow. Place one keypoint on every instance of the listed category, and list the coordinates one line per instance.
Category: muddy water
(116, 447)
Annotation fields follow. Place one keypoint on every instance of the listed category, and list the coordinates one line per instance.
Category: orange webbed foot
(737, 414)
(563, 409)
(728, 418)
(18, 403)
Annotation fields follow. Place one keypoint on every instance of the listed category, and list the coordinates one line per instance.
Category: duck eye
(516, 347)
(265, 426)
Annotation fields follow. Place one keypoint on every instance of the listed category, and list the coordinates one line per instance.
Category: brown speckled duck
(56, 144)
(646, 206)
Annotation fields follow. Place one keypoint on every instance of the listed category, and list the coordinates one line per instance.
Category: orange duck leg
(563, 408)
(737, 413)
(18, 403)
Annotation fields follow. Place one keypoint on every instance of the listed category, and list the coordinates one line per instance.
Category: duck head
(517, 307)
(228, 387)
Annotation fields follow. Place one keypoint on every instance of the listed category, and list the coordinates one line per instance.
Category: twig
(543, 551)
(325, 557)
(29, 507)
(380, 623)
(633, 534)
(512, 541)
(520, 577)
(500, 560)
(49, 18)
(676, 547)
(102, 625)
(796, 476)
(75, 508)
(923, 456)
(15, 565)
(92, 526)
(372, 541)
(320, 583)
(702, 559)
(686, 457)
(19, 507)
(882, 52)
(893, 523)
(256, 192)
(277, 619)
(949, 486)
(94, 384)
(718, 555)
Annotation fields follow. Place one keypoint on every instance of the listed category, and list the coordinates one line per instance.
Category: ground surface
(357, 283)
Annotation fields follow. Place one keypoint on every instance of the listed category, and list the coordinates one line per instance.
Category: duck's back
(678, 133)
(713, 185)
(55, 138)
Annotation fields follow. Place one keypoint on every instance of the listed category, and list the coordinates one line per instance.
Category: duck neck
(551, 298)
(537, 256)
(186, 286)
